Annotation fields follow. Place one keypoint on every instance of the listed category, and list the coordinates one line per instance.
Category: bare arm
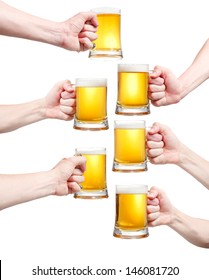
(15, 189)
(165, 88)
(194, 230)
(197, 72)
(63, 179)
(59, 103)
(163, 147)
(75, 34)
(16, 23)
(161, 212)
(195, 165)
(15, 116)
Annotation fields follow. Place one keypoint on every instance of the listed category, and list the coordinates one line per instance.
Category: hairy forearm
(16, 23)
(197, 72)
(16, 189)
(15, 116)
(194, 165)
(194, 230)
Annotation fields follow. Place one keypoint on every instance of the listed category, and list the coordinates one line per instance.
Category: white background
(65, 232)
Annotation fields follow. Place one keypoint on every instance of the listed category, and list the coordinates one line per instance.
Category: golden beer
(133, 89)
(129, 146)
(91, 104)
(94, 185)
(131, 211)
(108, 43)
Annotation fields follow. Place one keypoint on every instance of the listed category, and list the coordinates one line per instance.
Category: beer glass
(108, 43)
(91, 104)
(94, 185)
(133, 89)
(131, 211)
(129, 146)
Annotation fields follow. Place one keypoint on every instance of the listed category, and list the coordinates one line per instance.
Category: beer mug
(108, 44)
(129, 146)
(133, 89)
(131, 211)
(94, 185)
(91, 104)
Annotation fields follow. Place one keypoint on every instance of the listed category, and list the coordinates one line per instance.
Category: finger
(157, 72)
(156, 81)
(77, 171)
(76, 178)
(67, 94)
(68, 102)
(155, 145)
(160, 102)
(153, 209)
(153, 223)
(154, 137)
(79, 162)
(89, 27)
(157, 160)
(90, 35)
(155, 96)
(67, 110)
(86, 44)
(154, 129)
(73, 187)
(156, 88)
(153, 193)
(153, 216)
(153, 201)
(91, 18)
(67, 85)
(154, 152)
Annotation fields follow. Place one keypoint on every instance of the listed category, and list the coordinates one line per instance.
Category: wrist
(184, 156)
(175, 218)
(38, 109)
(50, 182)
(53, 33)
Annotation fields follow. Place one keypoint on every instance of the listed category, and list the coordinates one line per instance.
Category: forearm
(194, 230)
(198, 71)
(16, 189)
(15, 116)
(16, 23)
(194, 165)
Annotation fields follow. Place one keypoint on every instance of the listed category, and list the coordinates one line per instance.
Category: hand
(69, 174)
(162, 145)
(164, 88)
(80, 31)
(159, 208)
(60, 101)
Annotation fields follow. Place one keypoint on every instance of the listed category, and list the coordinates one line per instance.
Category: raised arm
(165, 88)
(162, 212)
(197, 72)
(75, 34)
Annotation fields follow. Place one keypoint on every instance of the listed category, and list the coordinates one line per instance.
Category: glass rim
(90, 82)
(131, 189)
(133, 67)
(130, 124)
(106, 10)
(90, 150)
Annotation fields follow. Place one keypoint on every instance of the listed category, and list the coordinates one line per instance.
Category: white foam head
(106, 10)
(90, 151)
(133, 67)
(131, 189)
(130, 124)
(88, 82)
